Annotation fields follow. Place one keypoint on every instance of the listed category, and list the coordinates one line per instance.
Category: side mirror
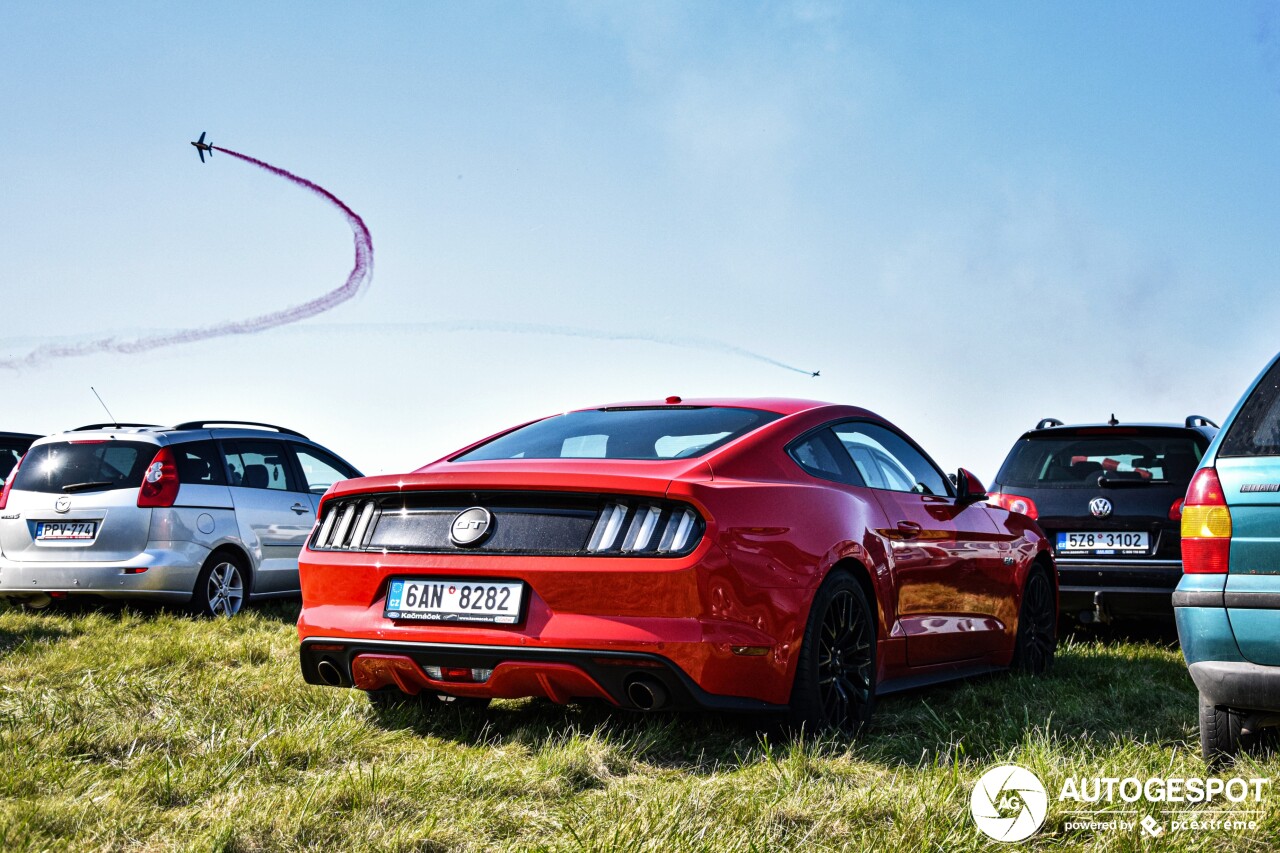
(969, 488)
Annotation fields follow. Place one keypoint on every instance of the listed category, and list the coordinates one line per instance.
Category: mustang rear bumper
(626, 679)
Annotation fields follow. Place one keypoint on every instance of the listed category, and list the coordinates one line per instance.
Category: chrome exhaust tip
(646, 693)
(329, 673)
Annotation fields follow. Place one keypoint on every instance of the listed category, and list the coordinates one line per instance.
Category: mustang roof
(781, 405)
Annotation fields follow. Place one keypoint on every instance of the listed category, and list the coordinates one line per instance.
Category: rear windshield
(1078, 461)
(84, 466)
(1256, 429)
(641, 433)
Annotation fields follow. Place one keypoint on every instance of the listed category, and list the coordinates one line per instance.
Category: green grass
(124, 730)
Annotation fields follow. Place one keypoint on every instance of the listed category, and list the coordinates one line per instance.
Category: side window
(253, 464)
(901, 467)
(820, 455)
(866, 465)
(320, 469)
(198, 463)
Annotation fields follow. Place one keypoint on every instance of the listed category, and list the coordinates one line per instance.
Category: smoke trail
(359, 276)
(708, 344)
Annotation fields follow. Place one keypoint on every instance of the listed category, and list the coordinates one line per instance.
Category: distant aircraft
(202, 146)
(816, 373)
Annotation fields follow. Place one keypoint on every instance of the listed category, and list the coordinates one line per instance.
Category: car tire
(1037, 635)
(1221, 734)
(222, 587)
(834, 686)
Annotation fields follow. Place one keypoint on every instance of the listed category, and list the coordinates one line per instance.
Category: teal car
(1227, 604)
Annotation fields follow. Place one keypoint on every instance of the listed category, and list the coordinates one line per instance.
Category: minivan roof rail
(1200, 420)
(110, 426)
(235, 423)
(1048, 422)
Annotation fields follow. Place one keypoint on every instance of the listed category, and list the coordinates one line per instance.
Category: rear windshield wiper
(85, 487)
(1108, 483)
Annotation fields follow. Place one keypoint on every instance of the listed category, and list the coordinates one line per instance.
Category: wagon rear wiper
(85, 487)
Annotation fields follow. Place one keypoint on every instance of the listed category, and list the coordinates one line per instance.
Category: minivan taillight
(1015, 503)
(1206, 526)
(160, 482)
(8, 484)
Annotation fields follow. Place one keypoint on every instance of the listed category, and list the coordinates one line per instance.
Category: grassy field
(124, 730)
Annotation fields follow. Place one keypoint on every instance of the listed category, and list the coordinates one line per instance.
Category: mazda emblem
(1100, 507)
(471, 527)
(62, 504)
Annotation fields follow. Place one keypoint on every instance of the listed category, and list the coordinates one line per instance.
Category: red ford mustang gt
(761, 554)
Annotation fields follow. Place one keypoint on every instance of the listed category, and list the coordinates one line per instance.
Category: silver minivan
(209, 512)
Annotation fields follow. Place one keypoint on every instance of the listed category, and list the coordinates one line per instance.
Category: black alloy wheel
(835, 678)
(1037, 637)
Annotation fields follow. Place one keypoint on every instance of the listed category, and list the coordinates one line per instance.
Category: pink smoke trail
(359, 276)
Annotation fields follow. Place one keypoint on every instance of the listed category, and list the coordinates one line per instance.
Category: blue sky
(968, 216)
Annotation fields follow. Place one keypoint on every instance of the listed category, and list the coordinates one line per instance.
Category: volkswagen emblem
(62, 504)
(1100, 507)
(471, 527)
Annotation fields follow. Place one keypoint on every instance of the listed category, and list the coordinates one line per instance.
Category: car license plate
(454, 600)
(66, 530)
(1104, 542)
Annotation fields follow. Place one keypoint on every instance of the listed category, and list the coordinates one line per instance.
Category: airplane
(202, 146)
(816, 373)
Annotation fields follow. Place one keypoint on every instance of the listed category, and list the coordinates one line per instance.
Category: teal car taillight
(1206, 526)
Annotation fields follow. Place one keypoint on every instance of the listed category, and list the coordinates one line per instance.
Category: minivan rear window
(669, 432)
(1078, 461)
(72, 466)
(1256, 429)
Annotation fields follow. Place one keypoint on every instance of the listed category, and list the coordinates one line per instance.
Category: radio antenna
(104, 406)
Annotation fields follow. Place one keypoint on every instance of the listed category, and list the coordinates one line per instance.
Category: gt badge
(1100, 507)
(471, 527)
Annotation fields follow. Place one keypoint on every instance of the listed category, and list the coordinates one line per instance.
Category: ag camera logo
(1009, 803)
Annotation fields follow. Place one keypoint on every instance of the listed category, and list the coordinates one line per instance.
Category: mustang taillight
(1206, 526)
(160, 482)
(8, 484)
(1015, 503)
(639, 528)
